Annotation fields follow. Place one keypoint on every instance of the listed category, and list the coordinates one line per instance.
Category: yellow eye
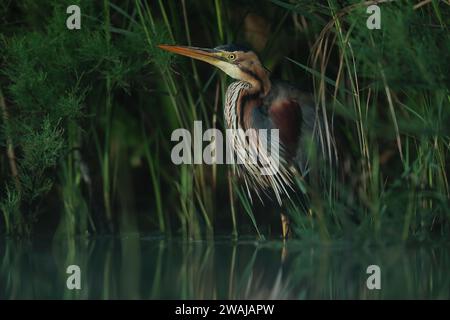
(231, 57)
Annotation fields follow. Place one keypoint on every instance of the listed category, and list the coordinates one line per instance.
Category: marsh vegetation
(87, 117)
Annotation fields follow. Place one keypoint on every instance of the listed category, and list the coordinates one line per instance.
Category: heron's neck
(241, 98)
(259, 83)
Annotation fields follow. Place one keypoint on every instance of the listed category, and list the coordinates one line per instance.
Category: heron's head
(238, 62)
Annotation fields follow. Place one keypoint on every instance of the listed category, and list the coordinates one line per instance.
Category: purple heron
(257, 102)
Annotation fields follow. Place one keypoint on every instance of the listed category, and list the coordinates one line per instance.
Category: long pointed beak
(208, 55)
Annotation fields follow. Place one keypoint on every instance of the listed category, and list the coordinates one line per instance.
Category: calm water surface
(133, 267)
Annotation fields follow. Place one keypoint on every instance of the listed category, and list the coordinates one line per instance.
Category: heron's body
(285, 108)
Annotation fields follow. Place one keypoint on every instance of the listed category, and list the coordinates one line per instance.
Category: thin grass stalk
(106, 160)
(234, 232)
(10, 153)
(153, 164)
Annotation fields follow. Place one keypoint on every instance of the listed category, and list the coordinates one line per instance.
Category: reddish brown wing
(282, 114)
(287, 117)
